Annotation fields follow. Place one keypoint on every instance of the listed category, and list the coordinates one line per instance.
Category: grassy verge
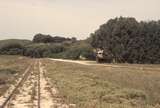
(11, 67)
(101, 86)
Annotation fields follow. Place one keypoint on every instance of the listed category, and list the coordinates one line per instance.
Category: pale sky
(71, 18)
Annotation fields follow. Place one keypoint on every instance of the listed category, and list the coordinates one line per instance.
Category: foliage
(78, 50)
(122, 39)
(38, 50)
(126, 40)
(13, 49)
(18, 41)
(41, 38)
(13, 46)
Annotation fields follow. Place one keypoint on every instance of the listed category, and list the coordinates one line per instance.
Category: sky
(22, 19)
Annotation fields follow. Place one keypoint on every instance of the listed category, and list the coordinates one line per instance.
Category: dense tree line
(127, 40)
(41, 50)
(12, 49)
(122, 39)
(41, 46)
(42, 38)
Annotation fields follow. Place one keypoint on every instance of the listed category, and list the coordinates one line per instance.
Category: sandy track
(49, 93)
(45, 95)
(24, 96)
(93, 63)
(36, 91)
(88, 63)
(13, 88)
(73, 61)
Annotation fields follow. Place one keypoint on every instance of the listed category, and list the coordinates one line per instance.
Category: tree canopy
(42, 38)
(124, 39)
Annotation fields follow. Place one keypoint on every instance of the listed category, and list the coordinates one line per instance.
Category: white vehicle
(100, 55)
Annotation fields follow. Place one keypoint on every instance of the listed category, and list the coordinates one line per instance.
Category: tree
(126, 40)
(42, 38)
(12, 49)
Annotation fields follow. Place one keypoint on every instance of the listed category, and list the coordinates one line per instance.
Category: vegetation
(126, 40)
(122, 39)
(78, 50)
(41, 38)
(10, 71)
(13, 46)
(48, 46)
(99, 86)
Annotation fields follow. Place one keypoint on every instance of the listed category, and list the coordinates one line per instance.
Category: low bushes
(61, 48)
(12, 49)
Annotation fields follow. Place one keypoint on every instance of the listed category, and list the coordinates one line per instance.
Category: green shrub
(12, 49)
(62, 48)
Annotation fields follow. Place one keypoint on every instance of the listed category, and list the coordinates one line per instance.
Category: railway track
(39, 86)
(20, 83)
(36, 87)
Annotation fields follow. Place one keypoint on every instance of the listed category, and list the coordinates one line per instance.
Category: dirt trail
(36, 91)
(73, 61)
(46, 98)
(93, 63)
(49, 93)
(6, 96)
(24, 96)
(87, 63)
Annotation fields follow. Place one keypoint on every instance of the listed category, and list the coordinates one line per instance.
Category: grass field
(11, 68)
(99, 86)
(92, 86)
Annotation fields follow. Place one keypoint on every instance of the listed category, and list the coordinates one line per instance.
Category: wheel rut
(34, 90)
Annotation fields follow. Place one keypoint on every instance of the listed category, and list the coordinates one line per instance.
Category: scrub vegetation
(47, 46)
(123, 40)
(11, 68)
(99, 86)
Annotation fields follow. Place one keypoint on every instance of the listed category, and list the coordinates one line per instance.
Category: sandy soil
(11, 88)
(74, 61)
(46, 98)
(93, 63)
(88, 63)
(24, 96)
(27, 95)
(49, 93)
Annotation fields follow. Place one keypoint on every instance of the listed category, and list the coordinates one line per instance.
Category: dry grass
(11, 68)
(126, 86)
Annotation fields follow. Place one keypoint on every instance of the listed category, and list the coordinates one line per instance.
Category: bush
(40, 50)
(127, 40)
(36, 50)
(42, 38)
(12, 49)
(48, 46)
(78, 51)
(88, 53)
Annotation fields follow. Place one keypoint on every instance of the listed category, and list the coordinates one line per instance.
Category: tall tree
(126, 40)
